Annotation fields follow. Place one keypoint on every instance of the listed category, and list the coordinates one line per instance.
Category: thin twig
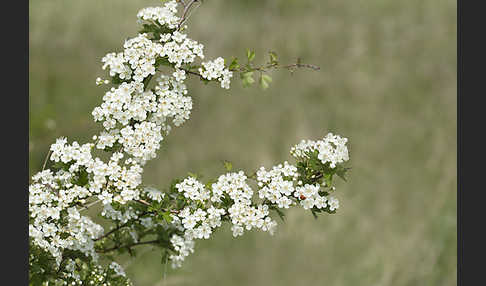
(143, 202)
(276, 66)
(187, 7)
(89, 205)
(111, 231)
(262, 68)
(128, 222)
(128, 245)
(299, 65)
(119, 227)
(45, 161)
(148, 204)
(192, 72)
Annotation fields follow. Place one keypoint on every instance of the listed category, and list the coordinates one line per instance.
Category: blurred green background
(387, 82)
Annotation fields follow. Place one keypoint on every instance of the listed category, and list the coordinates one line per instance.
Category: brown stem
(276, 66)
(299, 65)
(112, 231)
(191, 72)
(127, 245)
(262, 68)
(187, 7)
(119, 227)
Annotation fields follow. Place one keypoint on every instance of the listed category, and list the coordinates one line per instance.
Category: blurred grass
(387, 82)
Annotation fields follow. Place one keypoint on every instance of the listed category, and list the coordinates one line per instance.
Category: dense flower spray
(136, 115)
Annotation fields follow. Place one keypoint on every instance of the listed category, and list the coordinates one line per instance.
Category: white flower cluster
(129, 102)
(150, 110)
(243, 213)
(164, 16)
(245, 216)
(135, 120)
(140, 54)
(172, 101)
(122, 217)
(97, 275)
(331, 149)
(193, 189)
(122, 181)
(183, 246)
(216, 70)
(309, 197)
(49, 196)
(116, 63)
(136, 117)
(277, 185)
(179, 49)
(233, 184)
(199, 222)
(154, 194)
(78, 155)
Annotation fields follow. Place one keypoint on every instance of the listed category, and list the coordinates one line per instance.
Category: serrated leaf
(250, 55)
(234, 64)
(328, 179)
(228, 165)
(265, 80)
(162, 61)
(266, 77)
(263, 83)
(273, 57)
(247, 78)
(167, 217)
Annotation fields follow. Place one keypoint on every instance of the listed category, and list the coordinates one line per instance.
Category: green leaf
(192, 175)
(250, 55)
(234, 64)
(167, 217)
(227, 165)
(328, 179)
(341, 172)
(247, 78)
(162, 61)
(116, 80)
(265, 80)
(273, 57)
(82, 178)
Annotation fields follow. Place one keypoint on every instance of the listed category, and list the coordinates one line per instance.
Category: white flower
(179, 75)
(237, 230)
(216, 70)
(333, 203)
(118, 269)
(154, 194)
(331, 149)
(193, 189)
